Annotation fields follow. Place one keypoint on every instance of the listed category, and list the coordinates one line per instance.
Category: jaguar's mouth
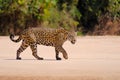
(73, 42)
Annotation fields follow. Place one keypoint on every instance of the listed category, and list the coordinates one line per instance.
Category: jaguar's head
(72, 37)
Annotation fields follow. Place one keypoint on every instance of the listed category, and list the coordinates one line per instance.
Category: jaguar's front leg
(57, 54)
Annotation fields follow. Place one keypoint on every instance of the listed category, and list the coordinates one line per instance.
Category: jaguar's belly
(46, 42)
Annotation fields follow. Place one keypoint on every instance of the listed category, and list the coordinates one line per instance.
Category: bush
(17, 15)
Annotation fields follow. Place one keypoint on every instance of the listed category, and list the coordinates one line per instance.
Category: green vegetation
(93, 10)
(79, 33)
(82, 15)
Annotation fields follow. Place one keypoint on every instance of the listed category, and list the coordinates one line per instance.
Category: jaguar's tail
(12, 38)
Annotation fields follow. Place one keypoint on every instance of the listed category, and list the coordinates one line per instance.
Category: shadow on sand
(34, 60)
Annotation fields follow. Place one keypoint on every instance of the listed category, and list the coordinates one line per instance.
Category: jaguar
(44, 36)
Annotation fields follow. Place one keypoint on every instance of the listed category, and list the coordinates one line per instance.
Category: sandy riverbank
(91, 58)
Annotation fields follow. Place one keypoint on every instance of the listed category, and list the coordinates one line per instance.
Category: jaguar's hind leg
(61, 49)
(21, 49)
(34, 51)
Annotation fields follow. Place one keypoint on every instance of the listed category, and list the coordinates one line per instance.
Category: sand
(91, 58)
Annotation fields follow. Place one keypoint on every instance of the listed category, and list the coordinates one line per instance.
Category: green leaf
(21, 2)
